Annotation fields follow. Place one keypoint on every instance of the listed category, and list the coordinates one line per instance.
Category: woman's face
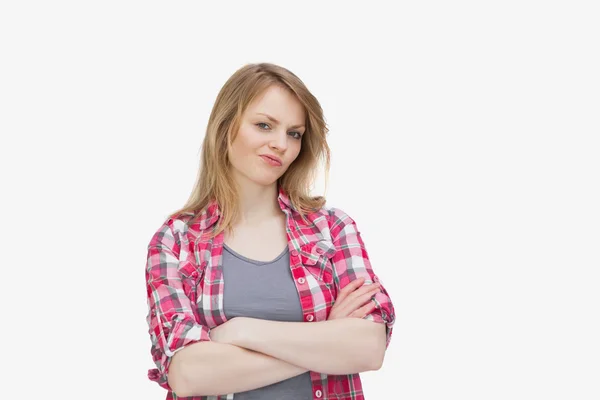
(272, 125)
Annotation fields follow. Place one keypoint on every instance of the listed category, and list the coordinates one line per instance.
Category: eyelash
(263, 123)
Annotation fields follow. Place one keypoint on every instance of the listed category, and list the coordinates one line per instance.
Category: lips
(272, 159)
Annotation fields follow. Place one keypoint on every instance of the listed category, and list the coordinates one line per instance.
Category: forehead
(280, 103)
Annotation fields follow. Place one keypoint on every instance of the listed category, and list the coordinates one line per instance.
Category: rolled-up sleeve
(351, 261)
(172, 322)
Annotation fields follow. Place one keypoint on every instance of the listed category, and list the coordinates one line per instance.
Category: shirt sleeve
(172, 322)
(351, 261)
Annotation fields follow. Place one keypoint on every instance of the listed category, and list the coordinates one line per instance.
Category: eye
(264, 126)
(260, 125)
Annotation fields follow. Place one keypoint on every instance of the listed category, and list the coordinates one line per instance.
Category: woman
(257, 290)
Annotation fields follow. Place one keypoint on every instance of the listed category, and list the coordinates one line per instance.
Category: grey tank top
(265, 290)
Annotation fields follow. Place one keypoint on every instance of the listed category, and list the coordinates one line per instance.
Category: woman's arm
(337, 347)
(351, 261)
(188, 363)
(234, 369)
(211, 368)
(341, 346)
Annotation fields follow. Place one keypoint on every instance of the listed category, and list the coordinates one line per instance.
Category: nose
(279, 141)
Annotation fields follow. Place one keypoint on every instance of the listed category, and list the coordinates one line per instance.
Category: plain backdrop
(464, 141)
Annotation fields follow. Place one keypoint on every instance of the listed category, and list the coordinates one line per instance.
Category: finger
(354, 300)
(353, 285)
(349, 288)
(364, 289)
(352, 303)
(352, 289)
(364, 310)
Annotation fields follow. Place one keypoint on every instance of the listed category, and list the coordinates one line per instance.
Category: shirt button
(294, 253)
(310, 317)
(301, 280)
(318, 393)
(319, 250)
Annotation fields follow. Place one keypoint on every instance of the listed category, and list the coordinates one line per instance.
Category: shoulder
(329, 212)
(331, 220)
(338, 216)
(340, 223)
(173, 231)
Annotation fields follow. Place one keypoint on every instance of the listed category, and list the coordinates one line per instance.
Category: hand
(226, 333)
(352, 298)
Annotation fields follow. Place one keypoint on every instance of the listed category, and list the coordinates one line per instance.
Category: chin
(262, 177)
(264, 182)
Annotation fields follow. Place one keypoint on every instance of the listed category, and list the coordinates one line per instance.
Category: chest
(310, 268)
(260, 242)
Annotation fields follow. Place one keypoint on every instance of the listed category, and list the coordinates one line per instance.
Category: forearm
(211, 368)
(341, 346)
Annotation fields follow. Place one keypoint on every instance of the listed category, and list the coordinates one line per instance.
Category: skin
(257, 352)
(259, 135)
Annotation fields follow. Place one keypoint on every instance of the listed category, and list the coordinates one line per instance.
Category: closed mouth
(272, 159)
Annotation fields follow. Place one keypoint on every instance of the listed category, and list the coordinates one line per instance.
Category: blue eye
(261, 123)
(297, 135)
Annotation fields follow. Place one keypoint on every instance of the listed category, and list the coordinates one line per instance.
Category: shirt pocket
(316, 259)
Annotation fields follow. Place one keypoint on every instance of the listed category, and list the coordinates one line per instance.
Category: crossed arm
(260, 352)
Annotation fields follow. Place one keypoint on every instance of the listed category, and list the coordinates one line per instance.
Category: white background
(464, 142)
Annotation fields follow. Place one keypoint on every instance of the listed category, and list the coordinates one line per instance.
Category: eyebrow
(277, 122)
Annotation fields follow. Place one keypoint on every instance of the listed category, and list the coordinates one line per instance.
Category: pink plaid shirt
(185, 285)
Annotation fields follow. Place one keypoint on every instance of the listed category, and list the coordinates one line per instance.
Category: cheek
(238, 146)
(238, 152)
(245, 141)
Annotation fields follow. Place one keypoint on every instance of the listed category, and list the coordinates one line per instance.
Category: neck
(258, 203)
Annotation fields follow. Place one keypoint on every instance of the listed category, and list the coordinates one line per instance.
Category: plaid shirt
(185, 285)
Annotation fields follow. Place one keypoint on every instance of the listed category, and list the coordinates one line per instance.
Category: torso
(263, 241)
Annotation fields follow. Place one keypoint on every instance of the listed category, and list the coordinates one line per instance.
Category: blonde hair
(214, 179)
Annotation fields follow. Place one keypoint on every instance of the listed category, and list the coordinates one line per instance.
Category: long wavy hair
(215, 182)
